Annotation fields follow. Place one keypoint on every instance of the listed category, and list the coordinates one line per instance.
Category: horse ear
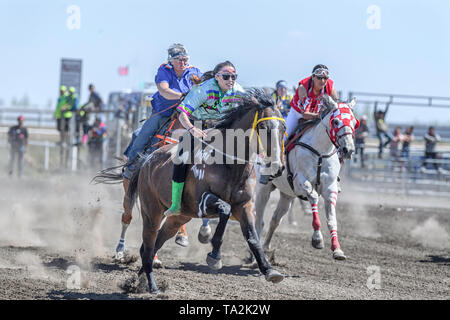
(352, 103)
(329, 101)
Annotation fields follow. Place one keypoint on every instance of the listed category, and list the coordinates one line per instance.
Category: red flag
(123, 71)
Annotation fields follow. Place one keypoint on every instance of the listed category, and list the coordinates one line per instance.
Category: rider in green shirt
(206, 101)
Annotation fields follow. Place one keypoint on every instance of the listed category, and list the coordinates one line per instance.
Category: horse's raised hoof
(119, 257)
(274, 276)
(338, 254)
(157, 264)
(205, 234)
(317, 240)
(182, 240)
(213, 263)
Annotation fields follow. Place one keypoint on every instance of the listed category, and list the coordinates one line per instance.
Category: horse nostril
(345, 150)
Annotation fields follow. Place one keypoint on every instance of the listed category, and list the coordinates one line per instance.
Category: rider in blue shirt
(173, 79)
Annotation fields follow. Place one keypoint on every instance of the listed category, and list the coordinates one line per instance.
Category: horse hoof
(119, 256)
(157, 264)
(338, 254)
(182, 240)
(215, 264)
(274, 276)
(155, 291)
(204, 234)
(317, 240)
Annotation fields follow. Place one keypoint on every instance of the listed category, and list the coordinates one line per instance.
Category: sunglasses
(228, 76)
(322, 78)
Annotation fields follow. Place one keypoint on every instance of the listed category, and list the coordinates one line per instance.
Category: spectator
(431, 138)
(72, 106)
(94, 104)
(62, 100)
(282, 98)
(360, 139)
(97, 135)
(408, 137)
(95, 99)
(395, 143)
(382, 129)
(18, 140)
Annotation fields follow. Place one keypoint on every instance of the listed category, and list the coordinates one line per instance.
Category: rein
(254, 128)
(256, 121)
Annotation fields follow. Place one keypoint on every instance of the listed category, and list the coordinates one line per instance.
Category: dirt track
(47, 227)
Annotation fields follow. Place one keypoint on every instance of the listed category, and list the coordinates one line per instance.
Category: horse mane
(254, 98)
(328, 103)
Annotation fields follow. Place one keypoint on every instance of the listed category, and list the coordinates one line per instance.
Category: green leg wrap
(177, 192)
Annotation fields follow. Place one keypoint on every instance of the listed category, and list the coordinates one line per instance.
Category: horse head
(268, 126)
(257, 118)
(341, 124)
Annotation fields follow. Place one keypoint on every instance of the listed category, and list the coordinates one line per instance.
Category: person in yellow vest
(62, 101)
(72, 105)
(282, 98)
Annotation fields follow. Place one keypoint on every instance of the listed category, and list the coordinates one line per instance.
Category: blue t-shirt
(166, 73)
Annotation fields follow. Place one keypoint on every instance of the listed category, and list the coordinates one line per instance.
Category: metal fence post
(118, 137)
(46, 155)
(72, 142)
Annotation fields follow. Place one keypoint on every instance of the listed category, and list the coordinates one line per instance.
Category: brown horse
(113, 175)
(211, 189)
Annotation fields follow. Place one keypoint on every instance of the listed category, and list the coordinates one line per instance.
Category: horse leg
(301, 183)
(243, 214)
(126, 220)
(182, 237)
(330, 210)
(262, 196)
(152, 216)
(204, 233)
(262, 192)
(171, 226)
(283, 206)
(211, 204)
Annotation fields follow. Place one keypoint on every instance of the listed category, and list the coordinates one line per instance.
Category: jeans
(143, 136)
(388, 137)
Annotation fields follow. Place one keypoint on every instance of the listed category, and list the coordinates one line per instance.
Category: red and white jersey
(310, 103)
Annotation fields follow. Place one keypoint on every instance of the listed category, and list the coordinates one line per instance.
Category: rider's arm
(166, 92)
(194, 99)
(187, 124)
(310, 115)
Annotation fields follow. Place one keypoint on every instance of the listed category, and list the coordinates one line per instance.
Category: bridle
(255, 128)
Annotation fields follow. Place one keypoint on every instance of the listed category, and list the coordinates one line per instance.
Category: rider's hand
(196, 132)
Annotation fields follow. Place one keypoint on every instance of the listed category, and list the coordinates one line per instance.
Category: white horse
(313, 170)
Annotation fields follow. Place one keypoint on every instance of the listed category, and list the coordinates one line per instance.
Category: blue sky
(266, 40)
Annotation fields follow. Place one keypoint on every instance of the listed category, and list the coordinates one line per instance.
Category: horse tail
(109, 176)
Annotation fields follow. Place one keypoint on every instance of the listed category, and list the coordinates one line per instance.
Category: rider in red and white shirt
(306, 103)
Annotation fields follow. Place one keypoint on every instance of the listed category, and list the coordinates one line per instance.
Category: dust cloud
(431, 234)
(65, 214)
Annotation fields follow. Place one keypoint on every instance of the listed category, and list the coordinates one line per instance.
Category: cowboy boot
(177, 192)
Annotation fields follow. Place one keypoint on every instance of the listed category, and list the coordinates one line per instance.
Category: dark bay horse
(212, 189)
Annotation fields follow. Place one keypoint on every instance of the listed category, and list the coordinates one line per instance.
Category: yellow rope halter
(256, 122)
